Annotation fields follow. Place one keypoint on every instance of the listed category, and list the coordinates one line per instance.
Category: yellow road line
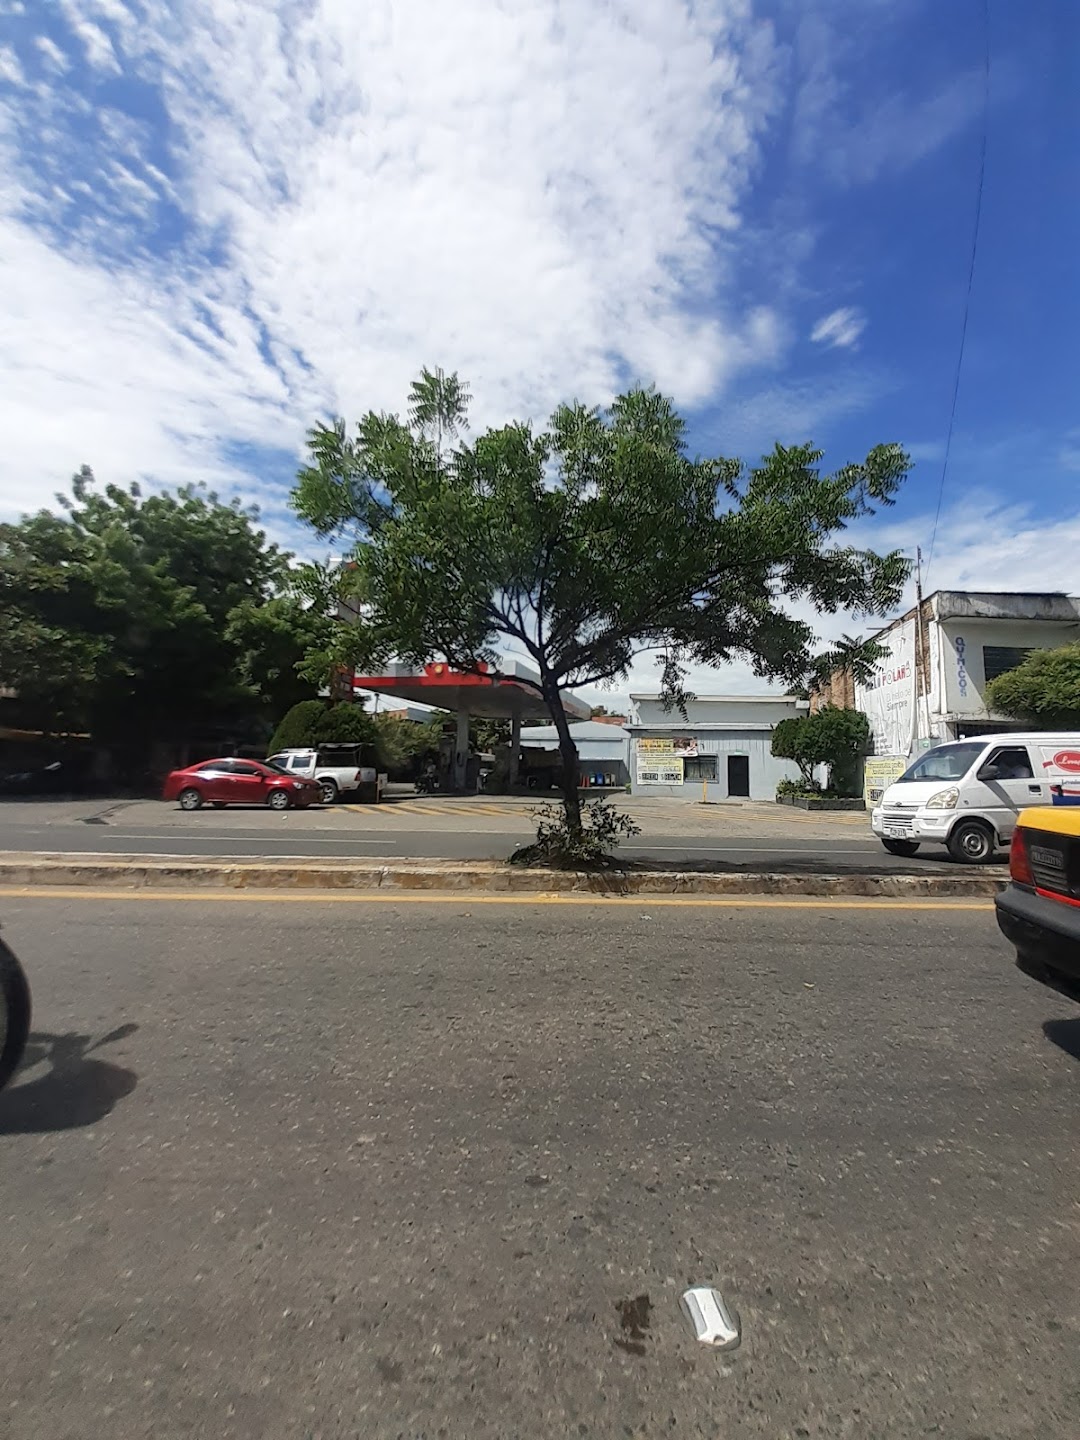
(450, 897)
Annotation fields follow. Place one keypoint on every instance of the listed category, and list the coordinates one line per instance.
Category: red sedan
(238, 782)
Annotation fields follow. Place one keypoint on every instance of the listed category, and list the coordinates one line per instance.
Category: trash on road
(714, 1324)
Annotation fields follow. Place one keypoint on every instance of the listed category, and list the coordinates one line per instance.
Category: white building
(602, 749)
(930, 685)
(722, 749)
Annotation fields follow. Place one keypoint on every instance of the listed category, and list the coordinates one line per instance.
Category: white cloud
(981, 544)
(53, 56)
(11, 72)
(925, 452)
(793, 412)
(99, 50)
(840, 329)
(136, 378)
(853, 136)
(984, 543)
(530, 197)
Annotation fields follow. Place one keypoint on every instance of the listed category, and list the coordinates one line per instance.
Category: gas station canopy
(502, 698)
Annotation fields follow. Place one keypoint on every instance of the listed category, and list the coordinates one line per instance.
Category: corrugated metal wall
(765, 771)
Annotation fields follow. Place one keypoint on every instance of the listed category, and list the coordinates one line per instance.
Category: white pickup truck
(348, 770)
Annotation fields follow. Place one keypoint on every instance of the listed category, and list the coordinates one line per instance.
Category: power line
(970, 282)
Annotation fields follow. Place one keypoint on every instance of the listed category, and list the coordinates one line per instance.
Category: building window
(997, 659)
(699, 767)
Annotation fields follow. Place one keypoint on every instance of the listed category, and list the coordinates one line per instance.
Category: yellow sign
(879, 772)
(659, 771)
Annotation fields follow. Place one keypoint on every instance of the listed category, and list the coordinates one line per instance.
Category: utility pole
(918, 644)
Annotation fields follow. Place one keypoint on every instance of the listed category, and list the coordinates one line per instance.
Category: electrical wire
(970, 284)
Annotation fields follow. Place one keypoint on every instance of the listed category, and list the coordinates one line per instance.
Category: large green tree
(588, 542)
(1043, 690)
(142, 618)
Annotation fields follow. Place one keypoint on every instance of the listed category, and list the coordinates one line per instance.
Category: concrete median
(136, 871)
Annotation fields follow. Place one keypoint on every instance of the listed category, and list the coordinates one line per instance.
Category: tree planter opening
(820, 802)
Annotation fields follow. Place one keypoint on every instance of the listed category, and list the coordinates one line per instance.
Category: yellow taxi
(1039, 910)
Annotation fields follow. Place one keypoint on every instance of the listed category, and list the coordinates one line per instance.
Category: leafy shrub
(297, 730)
(801, 790)
(558, 846)
(1043, 690)
(345, 724)
(312, 723)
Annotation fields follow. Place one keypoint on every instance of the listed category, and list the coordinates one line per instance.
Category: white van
(967, 794)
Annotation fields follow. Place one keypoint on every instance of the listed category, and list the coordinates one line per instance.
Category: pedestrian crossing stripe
(404, 807)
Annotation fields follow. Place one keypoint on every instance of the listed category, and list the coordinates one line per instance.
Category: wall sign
(961, 666)
(879, 772)
(665, 771)
(666, 747)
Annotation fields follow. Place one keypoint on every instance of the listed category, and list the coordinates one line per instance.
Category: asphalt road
(160, 830)
(374, 1169)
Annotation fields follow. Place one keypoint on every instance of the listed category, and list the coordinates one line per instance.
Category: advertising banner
(665, 770)
(879, 772)
(665, 747)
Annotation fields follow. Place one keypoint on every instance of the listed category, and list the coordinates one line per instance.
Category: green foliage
(138, 618)
(587, 846)
(274, 640)
(800, 788)
(1044, 690)
(487, 735)
(346, 724)
(833, 736)
(404, 745)
(299, 727)
(791, 741)
(311, 723)
(587, 543)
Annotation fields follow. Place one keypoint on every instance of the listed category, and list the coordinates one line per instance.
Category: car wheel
(14, 1013)
(972, 841)
(278, 800)
(907, 848)
(190, 800)
(328, 791)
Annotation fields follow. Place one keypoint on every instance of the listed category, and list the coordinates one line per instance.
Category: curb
(135, 872)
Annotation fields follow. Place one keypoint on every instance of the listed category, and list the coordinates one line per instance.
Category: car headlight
(944, 799)
(299, 785)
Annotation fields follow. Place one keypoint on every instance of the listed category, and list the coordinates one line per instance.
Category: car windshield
(946, 762)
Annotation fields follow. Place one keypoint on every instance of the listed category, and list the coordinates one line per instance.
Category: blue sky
(223, 219)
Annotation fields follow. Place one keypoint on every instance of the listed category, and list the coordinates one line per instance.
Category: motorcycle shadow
(76, 1091)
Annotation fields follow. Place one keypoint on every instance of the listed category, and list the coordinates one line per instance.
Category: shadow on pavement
(75, 1092)
(1065, 1034)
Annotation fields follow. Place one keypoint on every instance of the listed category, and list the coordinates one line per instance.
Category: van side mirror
(990, 771)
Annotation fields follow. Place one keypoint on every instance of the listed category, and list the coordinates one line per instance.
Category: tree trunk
(568, 751)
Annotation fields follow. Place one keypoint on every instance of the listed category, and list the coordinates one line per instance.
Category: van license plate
(898, 832)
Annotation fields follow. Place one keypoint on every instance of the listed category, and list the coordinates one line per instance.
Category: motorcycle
(14, 1013)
